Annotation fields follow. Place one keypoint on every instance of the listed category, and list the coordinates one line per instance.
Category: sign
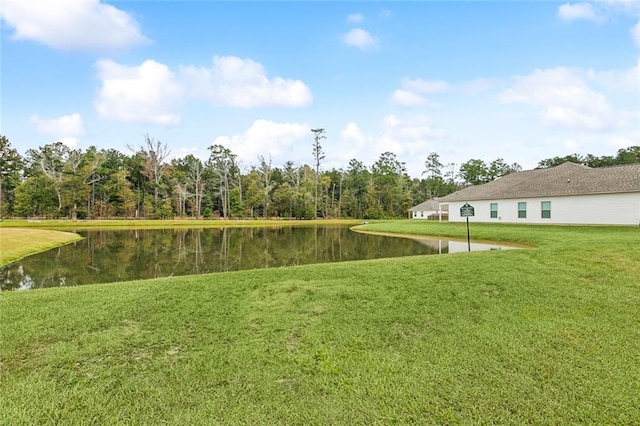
(467, 210)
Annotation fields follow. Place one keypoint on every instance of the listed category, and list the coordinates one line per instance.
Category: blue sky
(522, 81)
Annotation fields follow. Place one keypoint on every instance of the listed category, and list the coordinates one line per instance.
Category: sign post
(467, 211)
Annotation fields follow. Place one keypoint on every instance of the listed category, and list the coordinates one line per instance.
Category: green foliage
(389, 185)
(477, 172)
(11, 165)
(36, 197)
(121, 198)
(147, 207)
(628, 155)
(223, 170)
(165, 210)
(556, 161)
(433, 166)
(624, 156)
(474, 172)
(107, 183)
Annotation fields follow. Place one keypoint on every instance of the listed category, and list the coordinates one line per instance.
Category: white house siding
(423, 214)
(594, 209)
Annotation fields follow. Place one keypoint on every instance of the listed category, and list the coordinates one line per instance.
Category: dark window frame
(522, 212)
(545, 213)
(493, 213)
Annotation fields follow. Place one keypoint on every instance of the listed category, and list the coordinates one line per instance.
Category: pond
(121, 255)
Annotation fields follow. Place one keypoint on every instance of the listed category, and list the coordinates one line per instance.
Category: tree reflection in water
(108, 256)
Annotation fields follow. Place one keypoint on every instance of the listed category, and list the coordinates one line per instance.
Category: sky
(521, 81)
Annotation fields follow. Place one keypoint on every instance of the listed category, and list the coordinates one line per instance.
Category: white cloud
(266, 138)
(352, 134)
(625, 81)
(627, 7)
(577, 11)
(238, 82)
(624, 141)
(635, 33)
(409, 137)
(353, 144)
(407, 98)
(410, 129)
(571, 145)
(411, 92)
(361, 39)
(67, 125)
(589, 119)
(479, 85)
(565, 99)
(425, 86)
(65, 129)
(144, 93)
(72, 24)
(602, 10)
(355, 18)
(151, 92)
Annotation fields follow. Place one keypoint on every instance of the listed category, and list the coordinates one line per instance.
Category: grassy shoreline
(549, 335)
(18, 243)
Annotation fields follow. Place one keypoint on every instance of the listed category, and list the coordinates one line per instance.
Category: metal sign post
(467, 211)
(468, 236)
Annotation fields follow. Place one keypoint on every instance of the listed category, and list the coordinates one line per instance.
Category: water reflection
(107, 256)
(452, 246)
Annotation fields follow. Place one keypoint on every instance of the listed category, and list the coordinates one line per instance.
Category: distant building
(430, 209)
(566, 194)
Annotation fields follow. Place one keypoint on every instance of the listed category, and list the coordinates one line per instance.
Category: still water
(108, 256)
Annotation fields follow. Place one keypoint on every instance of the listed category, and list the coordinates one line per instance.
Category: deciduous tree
(223, 167)
(474, 172)
(154, 153)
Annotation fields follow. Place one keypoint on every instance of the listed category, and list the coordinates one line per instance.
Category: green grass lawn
(549, 335)
(16, 243)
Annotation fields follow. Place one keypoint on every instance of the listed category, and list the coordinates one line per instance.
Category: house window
(546, 209)
(522, 210)
(494, 210)
(421, 214)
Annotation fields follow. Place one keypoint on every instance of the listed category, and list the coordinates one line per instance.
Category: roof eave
(510, 197)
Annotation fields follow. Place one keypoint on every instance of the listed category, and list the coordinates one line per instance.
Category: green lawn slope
(16, 243)
(546, 335)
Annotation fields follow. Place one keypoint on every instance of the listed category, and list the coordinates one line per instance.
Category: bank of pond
(105, 255)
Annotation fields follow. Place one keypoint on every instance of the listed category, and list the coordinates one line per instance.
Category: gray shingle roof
(565, 179)
(429, 205)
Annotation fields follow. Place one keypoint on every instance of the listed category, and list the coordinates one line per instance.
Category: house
(430, 209)
(566, 194)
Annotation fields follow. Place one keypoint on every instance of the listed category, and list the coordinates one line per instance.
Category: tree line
(56, 181)
(623, 156)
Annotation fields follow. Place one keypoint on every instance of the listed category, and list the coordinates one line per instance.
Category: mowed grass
(16, 243)
(549, 335)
